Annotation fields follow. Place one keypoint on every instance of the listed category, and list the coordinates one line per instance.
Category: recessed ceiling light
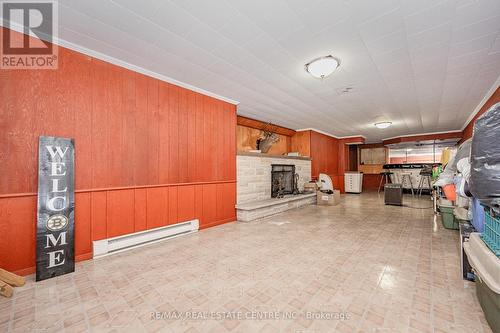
(323, 66)
(383, 124)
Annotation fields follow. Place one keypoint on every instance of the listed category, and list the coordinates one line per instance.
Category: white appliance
(353, 182)
(121, 243)
(326, 182)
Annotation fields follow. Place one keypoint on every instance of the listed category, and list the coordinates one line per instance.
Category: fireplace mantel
(247, 153)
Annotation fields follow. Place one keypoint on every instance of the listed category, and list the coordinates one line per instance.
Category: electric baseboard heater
(393, 194)
(109, 246)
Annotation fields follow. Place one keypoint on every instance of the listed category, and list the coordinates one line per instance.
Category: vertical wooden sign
(56, 208)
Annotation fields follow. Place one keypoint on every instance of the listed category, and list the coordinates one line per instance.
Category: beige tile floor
(356, 267)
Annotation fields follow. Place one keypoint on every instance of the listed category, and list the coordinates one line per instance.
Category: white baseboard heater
(109, 246)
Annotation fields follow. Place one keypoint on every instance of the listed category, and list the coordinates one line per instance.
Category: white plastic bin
(353, 182)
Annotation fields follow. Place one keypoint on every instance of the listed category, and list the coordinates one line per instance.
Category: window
(429, 153)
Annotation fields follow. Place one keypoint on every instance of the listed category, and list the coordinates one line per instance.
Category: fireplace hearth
(282, 180)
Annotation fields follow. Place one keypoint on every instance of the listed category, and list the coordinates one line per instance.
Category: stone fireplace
(254, 174)
(282, 180)
(256, 197)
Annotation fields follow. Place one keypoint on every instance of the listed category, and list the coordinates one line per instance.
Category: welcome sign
(56, 208)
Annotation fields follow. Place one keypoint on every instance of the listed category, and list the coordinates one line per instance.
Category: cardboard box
(324, 199)
(310, 187)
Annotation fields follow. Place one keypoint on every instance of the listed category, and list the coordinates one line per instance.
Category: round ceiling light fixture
(383, 124)
(323, 66)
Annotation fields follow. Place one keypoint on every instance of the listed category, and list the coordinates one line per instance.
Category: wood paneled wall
(301, 142)
(148, 153)
(248, 131)
(324, 155)
(371, 181)
(323, 150)
(246, 139)
(257, 124)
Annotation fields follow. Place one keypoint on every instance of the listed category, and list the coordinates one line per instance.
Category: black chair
(425, 176)
(385, 178)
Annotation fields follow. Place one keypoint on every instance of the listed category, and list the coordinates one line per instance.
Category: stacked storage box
(491, 234)
(487, 268)
(446, 209)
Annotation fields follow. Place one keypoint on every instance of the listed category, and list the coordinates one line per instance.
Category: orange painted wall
(495, 98)
(148, 153)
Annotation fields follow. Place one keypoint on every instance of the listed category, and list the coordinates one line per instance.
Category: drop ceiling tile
(93, 43)
(472, 58)
(475, 30)
(429, 18)
(209, 40)
(476, 11)
(471, 46)
(240, 29)
(413, 61)
(320, 14)
(462, 3)
(495, 48)
(362, 11)
(381, 26)
(339, 40)
(213, 13)
(390, 57)
(147, 8)
(437, 35)
(388, 43)
(175, 19)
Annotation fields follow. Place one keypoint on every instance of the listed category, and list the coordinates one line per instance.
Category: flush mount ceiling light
(383, 124)
(322, 67)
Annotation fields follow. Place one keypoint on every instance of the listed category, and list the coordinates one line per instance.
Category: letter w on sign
(56, 207)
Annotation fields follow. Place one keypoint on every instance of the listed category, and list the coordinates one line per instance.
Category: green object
(490, 302)
(436, 171)
(448, 219)
(491, 234)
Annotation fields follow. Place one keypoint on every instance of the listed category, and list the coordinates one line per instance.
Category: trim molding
(16, 195)
(330, 134)
(112, 60)
(481, 104)
(215, 223)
